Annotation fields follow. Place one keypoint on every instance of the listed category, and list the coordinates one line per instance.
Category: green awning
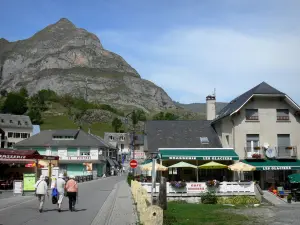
(275, 164)
(294, 178)
(198, 154)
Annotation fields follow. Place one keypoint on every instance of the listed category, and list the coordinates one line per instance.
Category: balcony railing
(255, 118)
(281, 152)
(286, 152)
(283, 118)
(254, 153)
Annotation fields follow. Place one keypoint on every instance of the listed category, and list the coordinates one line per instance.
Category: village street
(92, 196)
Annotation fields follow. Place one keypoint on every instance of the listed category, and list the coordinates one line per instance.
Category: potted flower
(178, 184)
(289, 198)
(256, 156)
(212, 183)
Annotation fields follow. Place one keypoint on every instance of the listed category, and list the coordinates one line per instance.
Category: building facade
(263, 127)
(80, 153)
(13, 129)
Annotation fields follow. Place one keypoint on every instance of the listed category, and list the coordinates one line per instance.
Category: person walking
(41, 189)
(72, 192)
(59, 184)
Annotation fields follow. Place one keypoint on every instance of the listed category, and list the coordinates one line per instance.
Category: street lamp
(133, 137)
(153, 173)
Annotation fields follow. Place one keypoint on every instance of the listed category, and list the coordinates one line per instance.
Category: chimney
(211, 107)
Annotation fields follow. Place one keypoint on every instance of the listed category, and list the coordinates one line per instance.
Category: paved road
(92, 195)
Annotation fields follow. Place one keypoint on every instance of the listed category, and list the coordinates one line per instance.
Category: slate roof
(15, 121)
(70, 132)
(179, 134)
(44, 139)
(262, 88)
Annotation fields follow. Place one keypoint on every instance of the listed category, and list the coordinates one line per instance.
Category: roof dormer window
(19, 123)
(10, 121)
(2, 120)
(204, 140)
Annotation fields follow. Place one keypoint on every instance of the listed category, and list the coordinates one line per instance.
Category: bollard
(153, 215)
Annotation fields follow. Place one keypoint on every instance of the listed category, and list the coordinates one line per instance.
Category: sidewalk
(118, 208)
(124, 209)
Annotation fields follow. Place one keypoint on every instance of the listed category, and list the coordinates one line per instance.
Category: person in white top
(60, 185)
(41, 189)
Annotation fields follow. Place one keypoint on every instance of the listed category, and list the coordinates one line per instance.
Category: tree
(141, 115)
(35, 116)
(165, 116)
(3, 93)
(116, 124)
(23, 92)
(15, 104)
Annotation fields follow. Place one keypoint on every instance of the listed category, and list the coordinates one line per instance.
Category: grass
(196, 214)
(63, 122)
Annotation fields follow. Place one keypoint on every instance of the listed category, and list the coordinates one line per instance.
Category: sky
(187, 47)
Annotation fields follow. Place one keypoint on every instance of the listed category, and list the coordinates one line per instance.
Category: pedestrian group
(60, 188)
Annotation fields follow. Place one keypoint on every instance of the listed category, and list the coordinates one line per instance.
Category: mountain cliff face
(71, 60)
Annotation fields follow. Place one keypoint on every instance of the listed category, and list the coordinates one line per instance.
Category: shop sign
(29, 181)
(217, 158)
(71, 158)
(12, 157)
(183, 157)
(277, 168)
(18, 187)
(196, 187)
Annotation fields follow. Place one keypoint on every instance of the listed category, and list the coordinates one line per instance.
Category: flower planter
(289, 148)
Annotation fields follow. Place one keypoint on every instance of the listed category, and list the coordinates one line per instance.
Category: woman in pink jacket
(72, 192)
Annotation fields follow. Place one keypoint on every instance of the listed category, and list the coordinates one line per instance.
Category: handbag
(54, 200)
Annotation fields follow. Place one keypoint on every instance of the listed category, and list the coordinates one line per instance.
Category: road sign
(133, 164)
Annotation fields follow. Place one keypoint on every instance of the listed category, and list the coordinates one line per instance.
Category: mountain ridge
(71, 60)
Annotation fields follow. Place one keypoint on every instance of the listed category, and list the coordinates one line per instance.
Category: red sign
(133, 163)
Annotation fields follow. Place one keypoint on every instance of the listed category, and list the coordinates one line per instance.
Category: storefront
(273, 172)
(14, 164)
(82, 165)
(197, 157)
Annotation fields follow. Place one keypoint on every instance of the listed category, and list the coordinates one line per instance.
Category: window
(11, 121)
(283, 142)
(10, 134)
(227, 139)
(111, 138)
(252, 144)
(282, 114)
(24, 135)
(122, 138)
(10, 144)
(26, 123)
(204, 140)
(122, 146)
(84, 153)
(19, 123)
(2, 120)
(251, 114)
(17, 135)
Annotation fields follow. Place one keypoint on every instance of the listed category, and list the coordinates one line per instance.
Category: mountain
(200, 107)
(67, 59)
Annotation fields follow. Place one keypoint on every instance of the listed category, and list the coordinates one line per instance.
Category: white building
(13, 129)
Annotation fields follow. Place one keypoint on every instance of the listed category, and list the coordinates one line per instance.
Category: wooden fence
(149, 214)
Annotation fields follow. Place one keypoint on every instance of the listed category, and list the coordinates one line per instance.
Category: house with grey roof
(263, 126)
(13, 129)
(124, 142)
(260, 127)
(75, 148)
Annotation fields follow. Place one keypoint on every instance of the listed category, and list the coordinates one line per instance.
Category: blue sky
(187, 47)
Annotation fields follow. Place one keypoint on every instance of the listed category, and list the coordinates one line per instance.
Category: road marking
(11, 206)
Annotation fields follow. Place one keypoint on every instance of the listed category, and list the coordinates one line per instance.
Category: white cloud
(190, 62)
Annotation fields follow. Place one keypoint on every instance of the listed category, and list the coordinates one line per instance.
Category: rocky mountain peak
(61, 57)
